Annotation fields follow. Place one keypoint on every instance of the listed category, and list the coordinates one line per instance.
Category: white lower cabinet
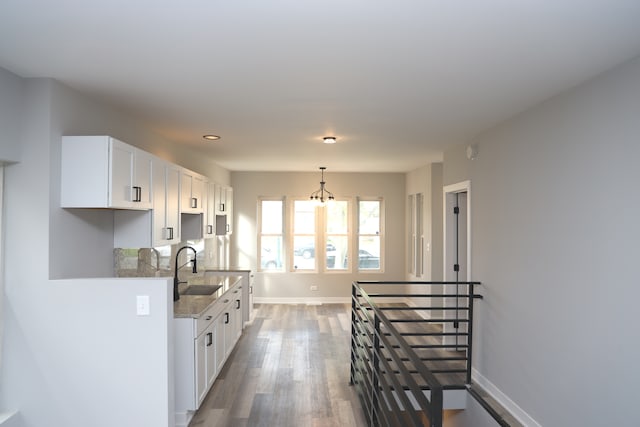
(202, 346)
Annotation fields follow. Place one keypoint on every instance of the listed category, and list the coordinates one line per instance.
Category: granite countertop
(194, 305)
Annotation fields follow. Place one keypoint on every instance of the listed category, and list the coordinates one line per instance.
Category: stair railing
(392, 376)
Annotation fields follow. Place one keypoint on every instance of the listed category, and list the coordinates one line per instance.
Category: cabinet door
(191, 188)
(173, 204)
(221, 199)
(210, 211)
(201, 367)
(122, 166)
(220, 352)
(229, 198)
(237, 305)
(166, 209)
(229, 325)
(212, 368)
(142, 195)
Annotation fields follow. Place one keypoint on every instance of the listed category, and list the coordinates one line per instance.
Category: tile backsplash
(154, 262)
(142, 262)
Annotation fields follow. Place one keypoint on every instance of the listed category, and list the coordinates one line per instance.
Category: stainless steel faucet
(176, 282)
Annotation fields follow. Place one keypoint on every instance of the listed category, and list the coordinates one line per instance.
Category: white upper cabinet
(224, 209)
(166, 203)
(191, 192)
(102, 172)
(209, 222)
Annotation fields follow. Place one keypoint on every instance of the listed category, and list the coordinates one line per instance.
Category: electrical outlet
(142, 305)
(313, 288)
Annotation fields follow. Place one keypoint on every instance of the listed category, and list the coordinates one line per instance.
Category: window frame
(283, 235)
(321, 236)
(380, 235)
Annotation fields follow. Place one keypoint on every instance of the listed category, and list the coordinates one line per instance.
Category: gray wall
(59, 336)
(11, 96)
(554, 241)
(73, 229)
(428, 181)
(248, 186)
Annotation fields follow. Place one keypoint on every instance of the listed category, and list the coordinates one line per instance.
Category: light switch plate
(142, 305)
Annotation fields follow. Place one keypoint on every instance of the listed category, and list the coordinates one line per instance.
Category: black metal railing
(408, 346)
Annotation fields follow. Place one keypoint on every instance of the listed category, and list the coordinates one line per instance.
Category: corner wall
(554, 234)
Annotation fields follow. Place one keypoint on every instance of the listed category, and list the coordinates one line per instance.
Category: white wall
(248, 186)
(555, 234)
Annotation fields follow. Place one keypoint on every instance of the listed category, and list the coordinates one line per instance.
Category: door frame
(460, 187)
(449, 192)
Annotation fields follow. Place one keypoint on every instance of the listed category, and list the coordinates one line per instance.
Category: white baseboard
(303, 300)
(513, 408)
(183, 418)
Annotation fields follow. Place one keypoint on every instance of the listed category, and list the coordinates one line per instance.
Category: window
(320, 238)
(369, 235)
(415, 206)
(304, 235)
(337, 235)
(271, 235)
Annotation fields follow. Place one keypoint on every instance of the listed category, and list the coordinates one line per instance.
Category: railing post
(470, 333)
(375, 372)
(353, 332)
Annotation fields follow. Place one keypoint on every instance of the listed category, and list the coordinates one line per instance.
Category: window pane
(271, 255)
(337, 249)
(304, 252)
(369, 217)
(304, 218)
(369, 252)
(272, 217)
(337, 221)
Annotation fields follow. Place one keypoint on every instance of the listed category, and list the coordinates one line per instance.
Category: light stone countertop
(194, 305)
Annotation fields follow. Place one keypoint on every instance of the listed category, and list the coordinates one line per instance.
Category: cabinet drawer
(211, 313)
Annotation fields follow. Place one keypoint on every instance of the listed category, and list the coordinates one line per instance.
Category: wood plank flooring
(290, 368)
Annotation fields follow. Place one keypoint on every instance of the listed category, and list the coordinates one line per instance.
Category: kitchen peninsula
(173, 347)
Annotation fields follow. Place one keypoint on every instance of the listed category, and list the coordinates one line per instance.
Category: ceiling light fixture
(321, 195)
(211, 137)
(329, 139)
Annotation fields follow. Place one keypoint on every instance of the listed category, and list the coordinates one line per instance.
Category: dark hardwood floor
(290, 368)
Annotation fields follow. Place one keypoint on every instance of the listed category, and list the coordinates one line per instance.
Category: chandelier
(322, 194)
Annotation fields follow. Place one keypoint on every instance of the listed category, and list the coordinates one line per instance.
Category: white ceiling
(396, 82)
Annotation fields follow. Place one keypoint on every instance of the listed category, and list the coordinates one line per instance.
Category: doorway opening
(457, 254)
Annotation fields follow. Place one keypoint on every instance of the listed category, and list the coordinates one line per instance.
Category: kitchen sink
(201, 289)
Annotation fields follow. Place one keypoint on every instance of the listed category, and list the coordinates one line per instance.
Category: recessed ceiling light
(211, 137)
(329, 139)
